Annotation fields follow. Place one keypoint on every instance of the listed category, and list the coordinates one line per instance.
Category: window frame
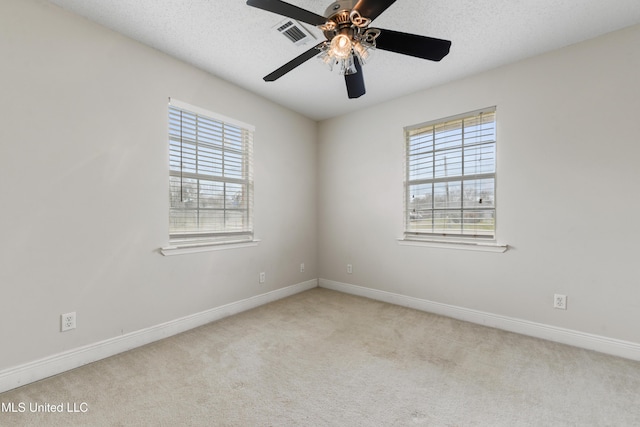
(198, 237)
(438, 236)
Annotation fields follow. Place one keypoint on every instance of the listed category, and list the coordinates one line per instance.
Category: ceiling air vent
(294, 31)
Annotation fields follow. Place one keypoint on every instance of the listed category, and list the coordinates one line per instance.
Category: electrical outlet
(349, 269)
(67, 321)
(302, 268)
(560, 301)
(263, 277)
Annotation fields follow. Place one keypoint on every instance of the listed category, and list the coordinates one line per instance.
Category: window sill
(193, 248)
(460, 245)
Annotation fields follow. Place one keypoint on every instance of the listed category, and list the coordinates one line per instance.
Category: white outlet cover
(67, 321)
(560, 301)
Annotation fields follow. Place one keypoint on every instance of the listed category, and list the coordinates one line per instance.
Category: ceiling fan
(349, 38)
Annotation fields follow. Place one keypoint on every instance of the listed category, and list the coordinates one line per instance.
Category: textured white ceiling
(238, 43)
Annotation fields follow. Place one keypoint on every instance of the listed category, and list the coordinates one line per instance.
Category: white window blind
(210, 176)
(450, 180)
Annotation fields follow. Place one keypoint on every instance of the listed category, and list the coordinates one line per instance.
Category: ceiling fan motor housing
(338, 12)
(340, 6)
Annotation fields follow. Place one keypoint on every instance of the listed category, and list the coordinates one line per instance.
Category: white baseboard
(626, 349)
(52, 365)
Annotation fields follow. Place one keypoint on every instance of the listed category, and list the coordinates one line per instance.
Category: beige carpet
(322, 358)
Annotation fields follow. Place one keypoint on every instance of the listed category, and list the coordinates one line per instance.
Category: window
(210, 177)
(451, 177)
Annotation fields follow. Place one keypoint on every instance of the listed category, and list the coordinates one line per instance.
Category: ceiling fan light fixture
(340, 51)
(348, 66)
(362, 51)
(328, 60)
(340, 47)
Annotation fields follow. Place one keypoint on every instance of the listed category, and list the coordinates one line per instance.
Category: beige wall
(567, 192)
(84, 187)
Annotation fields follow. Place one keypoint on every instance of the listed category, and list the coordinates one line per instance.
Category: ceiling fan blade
(372, 8)
(413, 44)
(355, 82)
(298, 60)
(288, 10)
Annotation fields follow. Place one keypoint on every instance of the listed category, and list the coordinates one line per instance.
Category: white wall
(568, 192)
(84, 187)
